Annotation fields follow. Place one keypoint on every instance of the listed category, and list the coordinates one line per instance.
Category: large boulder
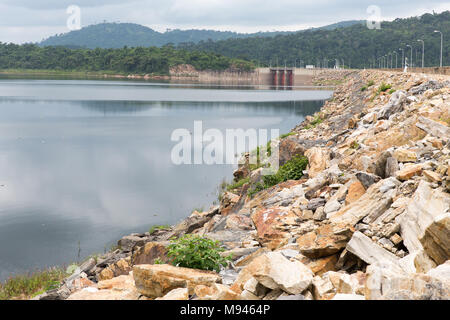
(277, 272)
(374, 202)
(157, 280)
(394, 105)
(269, 225)
(274, 271)
(325, 241)
(368, 251)
(386, 281)
(149, 253)
(318, 160)
(119, 288)
(426, 223)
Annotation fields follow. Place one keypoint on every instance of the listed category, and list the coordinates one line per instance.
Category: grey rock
(127, 243)
(367, 179)
(394, 105)
(432, 84)
(368, 251)
(434, 128)
(391, 167)
(315, 203)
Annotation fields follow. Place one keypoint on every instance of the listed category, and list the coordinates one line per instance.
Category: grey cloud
(240, 15)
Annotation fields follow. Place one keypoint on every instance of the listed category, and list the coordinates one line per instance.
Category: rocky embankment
(369, 219)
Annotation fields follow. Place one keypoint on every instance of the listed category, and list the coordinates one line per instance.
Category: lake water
(85, 162)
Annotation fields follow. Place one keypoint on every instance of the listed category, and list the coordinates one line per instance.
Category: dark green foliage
(138, 60)
(238, 184)
(291, 170)
(384, 87)
(357, 45)
(192, 251)
(118, 35)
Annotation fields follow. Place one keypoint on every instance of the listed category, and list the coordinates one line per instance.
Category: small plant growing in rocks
(192, 251)
(291, 170)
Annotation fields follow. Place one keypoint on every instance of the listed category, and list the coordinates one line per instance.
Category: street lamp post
(403, 57)
(442, 41)
(411, 62)
(423, 52)
(396, 55)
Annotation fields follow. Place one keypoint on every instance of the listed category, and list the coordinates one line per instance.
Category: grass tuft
(27, 286)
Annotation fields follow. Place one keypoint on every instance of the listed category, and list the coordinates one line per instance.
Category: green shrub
(192, 251)
(238, 184)
(391, 91)
(354, 145)
(363, 88)
(317, 120)
(370, 83)
(291, 170)
(158, 227)
(384, 87)
(285, 135)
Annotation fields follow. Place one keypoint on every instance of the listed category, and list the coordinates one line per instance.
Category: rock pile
(370, 219)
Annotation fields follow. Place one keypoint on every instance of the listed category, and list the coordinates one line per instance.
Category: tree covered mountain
(139, 60)
(118, 35)
(356, 45)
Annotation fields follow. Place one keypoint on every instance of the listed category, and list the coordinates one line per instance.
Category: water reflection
(91, 170)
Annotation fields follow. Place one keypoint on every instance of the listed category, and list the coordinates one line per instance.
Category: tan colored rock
(323, 288)
(119, 288)
(109, 294)
(215, 292)
(121, 267)
(325, 241)
(269, 225)
(280, 273)
(123, 282)
(238, 222)
(355, 191)
(149, 253)
(408, 172)
(404, 155)
(157, 280)
(432, 176)
(374, 202)
(227, 203)
(321, 265)
(388, 282)
(318, 159)
(273, 271)
(176, 294)
(441, 272)
(368, 251)
(426, 223)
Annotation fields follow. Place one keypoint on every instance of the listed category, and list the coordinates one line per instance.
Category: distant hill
(118, 35)
(353, 44)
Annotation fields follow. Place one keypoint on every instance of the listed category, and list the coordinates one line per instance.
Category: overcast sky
(33, 20)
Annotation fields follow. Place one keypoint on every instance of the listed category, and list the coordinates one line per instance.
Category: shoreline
(366, 139)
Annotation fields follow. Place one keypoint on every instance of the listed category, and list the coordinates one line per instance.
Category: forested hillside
(118, 35)
(126, 60)
(357, 45)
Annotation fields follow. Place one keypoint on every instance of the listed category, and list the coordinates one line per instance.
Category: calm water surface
(83, 162)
